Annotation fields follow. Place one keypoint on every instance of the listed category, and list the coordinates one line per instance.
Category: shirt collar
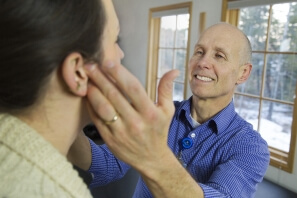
(224, 117)
(217, 123)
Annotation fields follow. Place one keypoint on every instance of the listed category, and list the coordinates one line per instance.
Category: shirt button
(193, 135)
(187, 143)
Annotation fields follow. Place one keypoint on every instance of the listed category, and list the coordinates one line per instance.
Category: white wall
(134, 21)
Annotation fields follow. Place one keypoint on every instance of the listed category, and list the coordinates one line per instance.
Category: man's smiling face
(214, 68)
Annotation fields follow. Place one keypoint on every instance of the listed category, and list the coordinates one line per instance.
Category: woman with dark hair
(44, 49)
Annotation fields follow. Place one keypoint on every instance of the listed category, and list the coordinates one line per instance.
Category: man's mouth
(203, 78)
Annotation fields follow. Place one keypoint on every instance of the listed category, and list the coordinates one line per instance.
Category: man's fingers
(103, 130)
(112, 97)
(129, 85)
(100, 104)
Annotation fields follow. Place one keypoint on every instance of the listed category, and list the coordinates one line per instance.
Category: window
(267, 99)
(168, 47)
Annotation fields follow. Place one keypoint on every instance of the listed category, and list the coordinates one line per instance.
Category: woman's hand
(139, 134)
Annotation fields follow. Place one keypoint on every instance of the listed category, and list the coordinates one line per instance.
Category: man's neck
(204, 109)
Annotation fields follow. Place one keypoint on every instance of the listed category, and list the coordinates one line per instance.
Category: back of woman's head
(36, 36)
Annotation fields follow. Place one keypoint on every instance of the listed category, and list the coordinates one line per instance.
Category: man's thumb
(165, 89)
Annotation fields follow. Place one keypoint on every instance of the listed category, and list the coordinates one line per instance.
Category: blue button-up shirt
(227, 158)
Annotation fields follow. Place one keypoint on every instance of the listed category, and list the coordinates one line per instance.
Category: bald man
(209, 151)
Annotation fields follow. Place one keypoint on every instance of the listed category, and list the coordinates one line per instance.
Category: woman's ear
(74, 74)
(244, 73)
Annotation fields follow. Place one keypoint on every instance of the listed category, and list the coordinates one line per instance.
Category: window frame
(153, 48)
(278, 158)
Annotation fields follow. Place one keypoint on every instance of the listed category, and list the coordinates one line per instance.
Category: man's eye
(219, 56)
(199, 52)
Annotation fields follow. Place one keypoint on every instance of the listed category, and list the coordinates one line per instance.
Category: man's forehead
(213, 43)
(218, 40)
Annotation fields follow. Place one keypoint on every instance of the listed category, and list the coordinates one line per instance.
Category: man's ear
(74, 74)
(244, 73)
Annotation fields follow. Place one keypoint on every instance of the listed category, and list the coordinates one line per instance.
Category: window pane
(165, 62)
(292, 29)
(178, 91)
(275, 124)
(281, 77)
(274, 45)
(168, 27)
(182, 30)
(180, 63)
(253, 21)
(248, 109)
(282, 35)
(253, 84)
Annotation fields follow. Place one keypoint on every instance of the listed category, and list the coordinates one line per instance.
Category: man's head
(221, 60)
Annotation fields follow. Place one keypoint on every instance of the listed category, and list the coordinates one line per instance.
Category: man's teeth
(203, 78)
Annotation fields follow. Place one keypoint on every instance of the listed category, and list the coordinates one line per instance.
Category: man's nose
(204, 62)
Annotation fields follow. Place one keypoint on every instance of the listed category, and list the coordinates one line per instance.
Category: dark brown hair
(36, 36)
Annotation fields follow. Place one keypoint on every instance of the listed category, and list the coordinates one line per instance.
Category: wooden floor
(267, 189)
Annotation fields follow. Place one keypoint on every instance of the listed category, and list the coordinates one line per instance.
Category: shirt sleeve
(240, 174)
(105, 167)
